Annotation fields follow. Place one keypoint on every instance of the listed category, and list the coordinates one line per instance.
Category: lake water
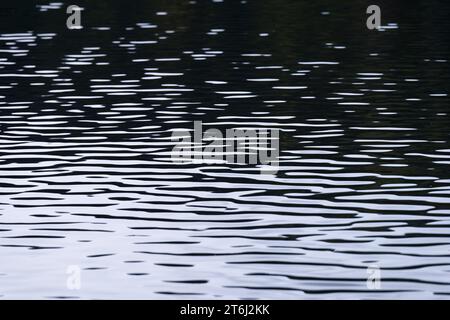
(87, 183)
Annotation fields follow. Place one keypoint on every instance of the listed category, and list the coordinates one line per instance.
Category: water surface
(86, 118)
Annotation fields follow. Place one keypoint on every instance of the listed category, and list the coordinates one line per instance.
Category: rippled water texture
(86, 118)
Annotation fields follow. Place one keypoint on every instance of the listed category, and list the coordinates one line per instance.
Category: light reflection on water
(86, 118)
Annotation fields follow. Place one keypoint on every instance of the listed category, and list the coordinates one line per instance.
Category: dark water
(86, 118)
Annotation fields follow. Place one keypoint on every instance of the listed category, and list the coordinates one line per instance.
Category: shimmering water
(86, 118)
